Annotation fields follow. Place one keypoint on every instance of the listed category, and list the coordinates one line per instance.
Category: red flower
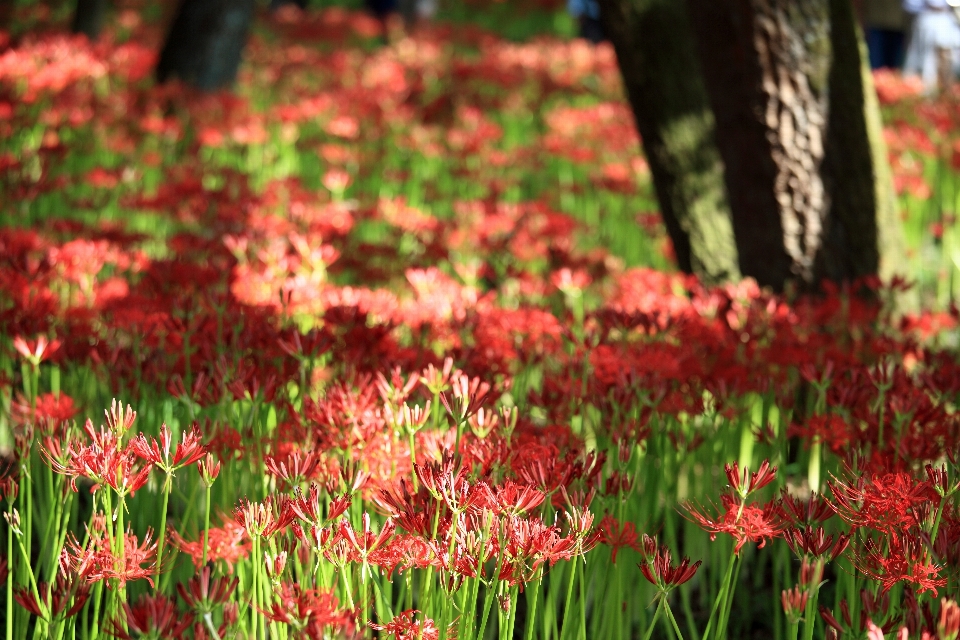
(96, 561)
(36, 351)
(617, 537)
(405, 627)
(66, 597)
(228, 543)
(103, 461)
(311, 610)
(188, 451)
(204, 594)
(743, 522)
(154, 617)
(658, 569)
(903, 557)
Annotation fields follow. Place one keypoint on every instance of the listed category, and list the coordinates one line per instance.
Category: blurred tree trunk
(657, 59)
(89, 16)
(778, 89)
(798, 130)
(6, 15)
(205, 42)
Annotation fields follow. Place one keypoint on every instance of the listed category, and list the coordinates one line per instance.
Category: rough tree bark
(205, 42)
(89, 16)
(656, 55)
(798, 130)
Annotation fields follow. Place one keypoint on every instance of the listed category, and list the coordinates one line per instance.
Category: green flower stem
(512, 619)
(533, 599)
(721, 597)
(566, 607)
(162, 531)
(673, 620)
(728, 602)
(45, 617)
(810, 613)
(489, 595)
(11, 564)
(206, 526)
(255, 586)
(656, 617)
(583, 605)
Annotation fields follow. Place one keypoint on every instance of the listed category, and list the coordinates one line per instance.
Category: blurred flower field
(388, 343)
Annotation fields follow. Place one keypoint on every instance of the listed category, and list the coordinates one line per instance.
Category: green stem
(11, 564)
(489, 595)
(722, 628)
(162, 532)
(534, 599)
(721, 596)
(206, 527)
(673, 621)
(567, 607)
(656, 616)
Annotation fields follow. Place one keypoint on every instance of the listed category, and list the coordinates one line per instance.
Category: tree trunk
(655, 50)
(204, 45)
(798, 130)
(89, 16)
(863, 232)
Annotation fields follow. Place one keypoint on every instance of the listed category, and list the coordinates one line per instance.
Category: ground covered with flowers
(387, 343)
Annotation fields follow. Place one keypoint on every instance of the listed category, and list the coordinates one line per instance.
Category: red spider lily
(903, 558)
(310, 507)
(296, 469)
(65, 598)
(209, 469)
(51, 411)
(120, 421)
(37, 350)
(744, 485)
(939, 479)
(395, 391)
(885, 502)
(204, 594)
(815, 542)
(804, 512)
(188, 451)
(266, 518)
(228, 543)
(529, 543)
(97, 561)
(617, 537)
(743, 522)
(365, 542)
(153, 616)
(659, 571)
(312, 611)
(405, 627)
(437, 380)
(948, 627)
(469, 394)
(513, 498)
(794, 602)
(103, 461)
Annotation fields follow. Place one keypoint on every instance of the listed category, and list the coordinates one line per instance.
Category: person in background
(416, 13)
(885, 24)
(932, 52)
(587, 13)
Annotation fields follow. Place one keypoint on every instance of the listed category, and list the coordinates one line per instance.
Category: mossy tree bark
(798, 130)
(205, 42)
(656, 55)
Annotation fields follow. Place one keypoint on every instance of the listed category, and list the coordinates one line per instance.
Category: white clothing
(932, 30)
